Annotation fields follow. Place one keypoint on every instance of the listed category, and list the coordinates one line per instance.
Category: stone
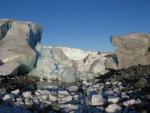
(27, 94)
(16, 92)
(19, 101)
(108, 92)
(52, 98)
(113, 99)
(124, 96)
(116, 90)
(63, 93)
(36, 100)
(69, 106)
(129, 102)
(43, 97)
(107, 83)
(28, 102)
(113, 108)
(42, 92)
(138, 101)
(8, 97)
(10, 69)
(142, 82)
(65, 99)
(17, 44)
(97, 100)
(132, 49)
(73, 88)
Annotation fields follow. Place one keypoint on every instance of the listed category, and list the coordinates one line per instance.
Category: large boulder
(17, 43)
(132, 49)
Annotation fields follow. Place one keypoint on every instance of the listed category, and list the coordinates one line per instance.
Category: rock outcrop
(132, 49)
(17, 42)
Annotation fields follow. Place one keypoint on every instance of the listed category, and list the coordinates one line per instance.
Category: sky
(84, 24)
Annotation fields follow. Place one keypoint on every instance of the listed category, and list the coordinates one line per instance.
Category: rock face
(17, 42)
(132, 49)
(68, 64)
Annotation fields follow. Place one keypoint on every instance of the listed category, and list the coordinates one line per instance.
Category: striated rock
(97, 100)
(132, 49)
(17, 43)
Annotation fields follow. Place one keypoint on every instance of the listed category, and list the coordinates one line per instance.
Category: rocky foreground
(45, 79)
(123, 91)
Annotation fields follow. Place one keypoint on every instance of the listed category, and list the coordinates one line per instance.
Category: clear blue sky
(85, 24)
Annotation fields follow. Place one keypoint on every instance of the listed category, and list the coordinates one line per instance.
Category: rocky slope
(120, 91)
